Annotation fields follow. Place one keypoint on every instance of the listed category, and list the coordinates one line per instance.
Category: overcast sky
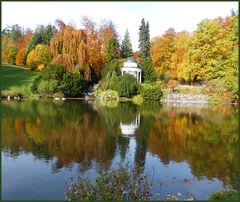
(125, 15)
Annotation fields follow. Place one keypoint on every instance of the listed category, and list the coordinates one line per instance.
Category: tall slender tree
(149, 74)
(113, 49)
(144, 42)
(126, 46)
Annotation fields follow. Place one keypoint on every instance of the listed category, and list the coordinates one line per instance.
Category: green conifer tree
(113, 49)
(144, 42)
(126, 47)
(149, 74)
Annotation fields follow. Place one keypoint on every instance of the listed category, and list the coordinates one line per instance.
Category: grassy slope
(16, 80)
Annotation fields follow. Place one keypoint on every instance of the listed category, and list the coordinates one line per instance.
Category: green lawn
(16, 80)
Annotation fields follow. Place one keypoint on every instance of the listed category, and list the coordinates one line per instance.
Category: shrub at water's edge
(123, 183)
(137, 99)
(125, 86)
(230, 195)
(55, 80)
(151, 92)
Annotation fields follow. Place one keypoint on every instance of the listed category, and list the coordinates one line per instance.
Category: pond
(187, 149)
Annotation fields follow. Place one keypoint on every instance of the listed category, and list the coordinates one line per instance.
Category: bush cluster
(149, 92)
(124, 183)
(126, 85)
(38, 57)
(111, 67)
(54, 79)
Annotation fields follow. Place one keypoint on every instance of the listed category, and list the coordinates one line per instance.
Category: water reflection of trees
(75, 131)
(72, 132)
(207, 140)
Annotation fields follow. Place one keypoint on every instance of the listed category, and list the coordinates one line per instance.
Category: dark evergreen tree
(126, 47)
(113, 49)
(144, 42)
(42, 35)
(112, 56)
(149, 74)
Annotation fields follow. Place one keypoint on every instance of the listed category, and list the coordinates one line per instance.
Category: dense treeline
(82, 50)
(209, 55)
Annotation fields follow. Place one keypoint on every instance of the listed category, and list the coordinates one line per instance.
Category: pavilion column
(140, 77)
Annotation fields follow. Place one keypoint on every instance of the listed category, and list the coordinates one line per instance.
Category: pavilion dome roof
(130, 59)
(130, 63)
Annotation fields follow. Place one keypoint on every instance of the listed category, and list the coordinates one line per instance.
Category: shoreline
(164, 100)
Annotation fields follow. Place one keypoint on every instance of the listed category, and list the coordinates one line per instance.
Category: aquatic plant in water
(123, 183)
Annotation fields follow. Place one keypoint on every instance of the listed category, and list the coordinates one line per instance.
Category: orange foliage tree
(106, 31)
(68, 47)
(22, 45)
(20, 57)
(180, 49)
(24, 40)
(93, 45)
(162, 50)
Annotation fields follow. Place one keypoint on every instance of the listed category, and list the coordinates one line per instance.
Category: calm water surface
(190, 150)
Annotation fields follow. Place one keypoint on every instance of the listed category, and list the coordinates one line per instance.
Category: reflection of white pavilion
(130, 67)
(129, 129)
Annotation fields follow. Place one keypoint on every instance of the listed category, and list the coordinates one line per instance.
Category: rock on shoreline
(186, 98)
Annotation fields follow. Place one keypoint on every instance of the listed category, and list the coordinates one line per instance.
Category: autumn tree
(9, 49)
(39, 57)
(106, 30)
(162, 51)
(22, 45)
(20, 57)
(126, 46)
(10, 37)
(206, 53)
(24, 39)
(68, 47)
(231, 78)
(136, 55)
(93, 46)
(180, 49)
(64, 59)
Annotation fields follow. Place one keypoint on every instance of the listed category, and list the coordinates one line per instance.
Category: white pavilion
(130, 67)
